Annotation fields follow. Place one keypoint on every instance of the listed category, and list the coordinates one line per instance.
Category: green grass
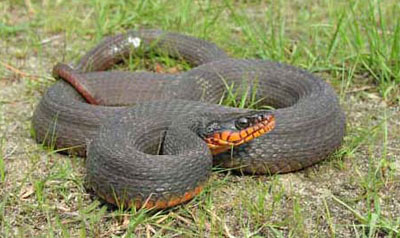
(354, 45)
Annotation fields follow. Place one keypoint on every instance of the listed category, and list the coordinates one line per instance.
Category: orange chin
(226, 140)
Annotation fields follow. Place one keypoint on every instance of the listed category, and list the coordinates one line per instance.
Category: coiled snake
(140, 114)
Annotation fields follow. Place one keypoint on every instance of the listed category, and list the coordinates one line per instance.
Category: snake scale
(142, 140)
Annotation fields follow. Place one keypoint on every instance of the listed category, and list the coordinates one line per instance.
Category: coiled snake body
(139, 111)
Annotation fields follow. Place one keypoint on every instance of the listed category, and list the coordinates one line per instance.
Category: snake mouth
(223, 136)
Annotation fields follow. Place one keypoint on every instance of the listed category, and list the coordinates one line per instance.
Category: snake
(151, 140)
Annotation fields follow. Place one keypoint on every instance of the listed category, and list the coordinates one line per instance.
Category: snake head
(221, 136)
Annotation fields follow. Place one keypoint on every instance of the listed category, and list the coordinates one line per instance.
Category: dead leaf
(159, 69)
(26, 192)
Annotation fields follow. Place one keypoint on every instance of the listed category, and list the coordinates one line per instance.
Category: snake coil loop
(139, 110)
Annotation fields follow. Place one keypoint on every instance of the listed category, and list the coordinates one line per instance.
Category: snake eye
(242, 123)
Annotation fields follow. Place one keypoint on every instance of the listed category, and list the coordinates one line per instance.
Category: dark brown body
(121, 142)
